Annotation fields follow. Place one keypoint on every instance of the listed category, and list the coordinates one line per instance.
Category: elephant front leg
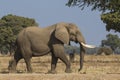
(14, 61)
(60, 53)
(53, 64)
(67, 63)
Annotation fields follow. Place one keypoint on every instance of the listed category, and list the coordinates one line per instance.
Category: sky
(48, 12)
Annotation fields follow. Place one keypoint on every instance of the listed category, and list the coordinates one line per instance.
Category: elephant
(37, 41)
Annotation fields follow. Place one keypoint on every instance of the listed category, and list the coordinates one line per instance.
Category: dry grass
(95, 68)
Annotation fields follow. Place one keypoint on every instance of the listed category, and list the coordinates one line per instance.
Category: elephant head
(67, 32)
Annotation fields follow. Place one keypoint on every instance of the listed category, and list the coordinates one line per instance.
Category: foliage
(112, 16)
(96, 4)
(6, 38)
(76, 49)
(10, 26)
(112, 21)
(91, 51)
(101, 5)
(105, 50)
(112, 41)
(70, 49)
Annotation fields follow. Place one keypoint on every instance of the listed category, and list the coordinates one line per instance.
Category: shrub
(105, 50)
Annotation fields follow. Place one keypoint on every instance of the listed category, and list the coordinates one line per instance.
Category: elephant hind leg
(14, 61)
(27, 55)
(28, 64)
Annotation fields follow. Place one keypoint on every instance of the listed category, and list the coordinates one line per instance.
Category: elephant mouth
(74, 40)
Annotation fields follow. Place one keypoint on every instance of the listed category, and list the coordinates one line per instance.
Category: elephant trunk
(82, 50)
(80, 39)
(82, 53)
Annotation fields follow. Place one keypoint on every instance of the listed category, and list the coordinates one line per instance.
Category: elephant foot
(12, 71)
(51, 72)
(68, 71)
(30, 71)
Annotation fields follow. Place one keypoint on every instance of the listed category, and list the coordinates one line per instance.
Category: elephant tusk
(88, 46)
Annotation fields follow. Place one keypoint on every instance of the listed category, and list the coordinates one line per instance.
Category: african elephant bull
(35, 41)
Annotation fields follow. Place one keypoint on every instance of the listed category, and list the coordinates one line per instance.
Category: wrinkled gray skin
(35, 41)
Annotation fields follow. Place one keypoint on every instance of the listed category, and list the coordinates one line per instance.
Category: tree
(17, 23)
(110, 9)
(6, 38)
(96, 4)
(10, 26)
(112, 21)
(113, 41)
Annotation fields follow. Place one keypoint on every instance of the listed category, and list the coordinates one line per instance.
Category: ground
(95, 68)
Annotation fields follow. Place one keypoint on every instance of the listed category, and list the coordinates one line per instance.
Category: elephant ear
(61, 34)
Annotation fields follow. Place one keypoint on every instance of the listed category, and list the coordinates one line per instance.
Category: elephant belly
(39, 50)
